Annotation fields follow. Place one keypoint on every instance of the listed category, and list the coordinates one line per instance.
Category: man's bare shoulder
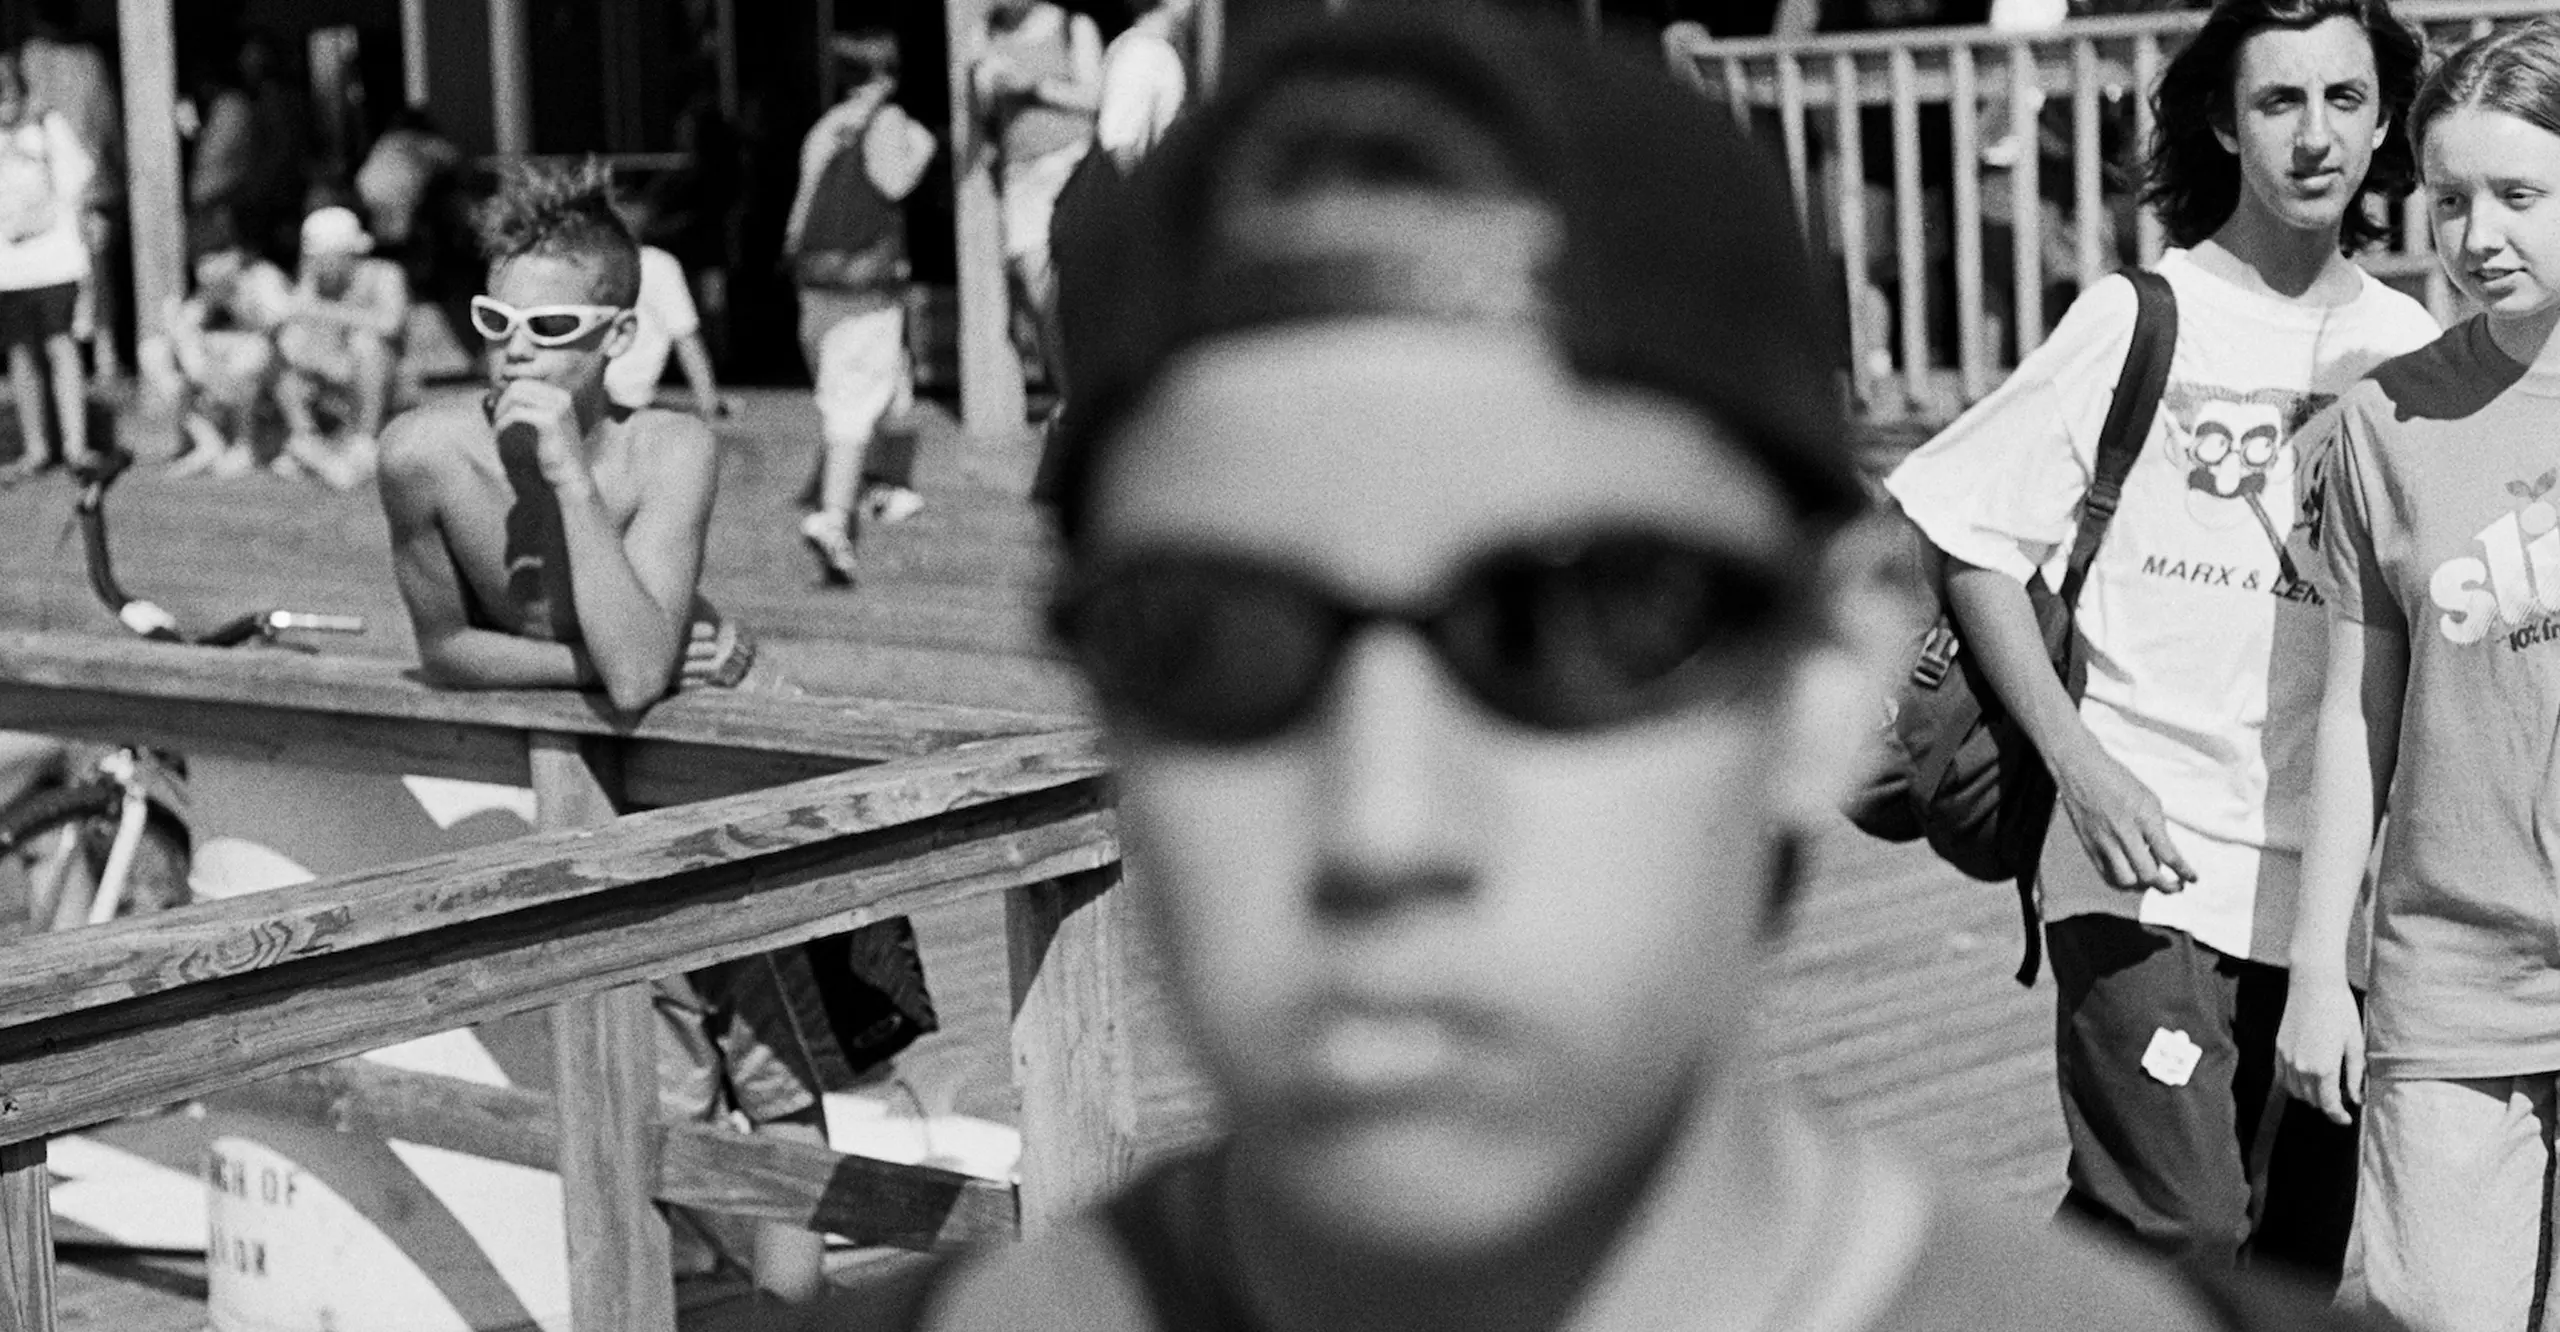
(670, 445)
(425, 445)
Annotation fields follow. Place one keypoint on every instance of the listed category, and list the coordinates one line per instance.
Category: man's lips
(1364, 1055)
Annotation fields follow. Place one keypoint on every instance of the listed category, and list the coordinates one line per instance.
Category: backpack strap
(2129, 416)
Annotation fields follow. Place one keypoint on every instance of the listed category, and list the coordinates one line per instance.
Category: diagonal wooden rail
(252, 997)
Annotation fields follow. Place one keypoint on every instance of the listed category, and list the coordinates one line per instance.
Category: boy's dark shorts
(29, 317)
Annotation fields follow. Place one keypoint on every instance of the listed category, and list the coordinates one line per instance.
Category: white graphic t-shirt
(666, 313)
(2206, 637)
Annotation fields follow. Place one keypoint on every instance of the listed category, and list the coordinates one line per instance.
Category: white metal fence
(1953, 244)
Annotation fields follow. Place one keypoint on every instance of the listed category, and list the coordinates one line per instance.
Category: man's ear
(1871, 585)
(2381, 131)
(621, 333)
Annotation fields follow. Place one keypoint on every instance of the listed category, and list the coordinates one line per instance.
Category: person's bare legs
(305, 446)
(790, 1262)
(232, 402)
(104, 311)
(26, 380)
(859, 363)
(70, 395)
(295, 394)
(841, 473)
(377, 376)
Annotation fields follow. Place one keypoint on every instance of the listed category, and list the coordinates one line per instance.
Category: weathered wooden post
(605, 1092)
(1071, 1058)
(991, 396)
(155, 200)
(26, 1240)
(414, 84)
(510, 79)
(1209, 44)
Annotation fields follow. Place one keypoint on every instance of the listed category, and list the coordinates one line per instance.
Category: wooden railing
(788, 820)
(1992, 89)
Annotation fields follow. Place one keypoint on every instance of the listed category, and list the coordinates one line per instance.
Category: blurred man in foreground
(1466, 557)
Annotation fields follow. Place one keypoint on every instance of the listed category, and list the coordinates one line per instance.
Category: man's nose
(2314, 131)
(1395, 808)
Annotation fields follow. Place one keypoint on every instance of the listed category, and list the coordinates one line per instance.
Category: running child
(2436, 513)
(1464, 552)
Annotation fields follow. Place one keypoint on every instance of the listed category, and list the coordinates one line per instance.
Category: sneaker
(829, 535)
(235, 461)
(289, 467)
(891, 504)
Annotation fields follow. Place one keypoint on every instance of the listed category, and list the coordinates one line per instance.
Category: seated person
(1467, 557)
(544, 538)
(219, 357)
(341, 349)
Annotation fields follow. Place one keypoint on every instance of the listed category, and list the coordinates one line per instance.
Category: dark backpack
(1958, 771)
(855, 237)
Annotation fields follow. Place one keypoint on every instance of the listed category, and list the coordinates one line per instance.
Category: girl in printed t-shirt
(2435, 515)
(2180, 770)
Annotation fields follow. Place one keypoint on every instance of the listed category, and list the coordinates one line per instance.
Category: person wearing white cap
(341, 349)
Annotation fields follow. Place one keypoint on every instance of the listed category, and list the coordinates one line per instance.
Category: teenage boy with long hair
(2167, 882)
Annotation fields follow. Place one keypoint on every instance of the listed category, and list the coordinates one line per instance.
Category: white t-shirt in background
(666, 313)
(1143, 86)
(2206, 639)
(46, 174)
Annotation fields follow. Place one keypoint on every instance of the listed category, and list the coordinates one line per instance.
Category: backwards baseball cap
(334, 230)
(1472, 167)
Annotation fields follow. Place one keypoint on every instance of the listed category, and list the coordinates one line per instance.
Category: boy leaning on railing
(544, 538)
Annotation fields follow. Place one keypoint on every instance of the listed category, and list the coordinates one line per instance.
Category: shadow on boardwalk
(1894, 1006)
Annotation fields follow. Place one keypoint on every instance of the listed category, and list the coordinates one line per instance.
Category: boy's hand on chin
(550, 415)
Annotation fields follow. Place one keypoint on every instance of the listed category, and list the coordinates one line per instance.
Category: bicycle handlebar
(98, 472)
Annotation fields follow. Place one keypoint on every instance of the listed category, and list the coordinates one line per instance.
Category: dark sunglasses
(1561, 636)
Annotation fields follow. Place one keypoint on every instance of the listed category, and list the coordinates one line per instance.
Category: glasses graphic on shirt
(2215, 443)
